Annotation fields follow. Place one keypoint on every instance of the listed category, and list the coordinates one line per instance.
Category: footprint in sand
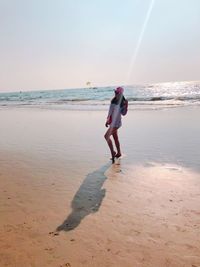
(172, 168)
(179, 229)
(54, 233)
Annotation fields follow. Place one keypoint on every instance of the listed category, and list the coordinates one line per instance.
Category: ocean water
(149, 96)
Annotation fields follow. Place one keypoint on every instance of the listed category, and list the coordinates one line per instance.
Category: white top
(115, 113)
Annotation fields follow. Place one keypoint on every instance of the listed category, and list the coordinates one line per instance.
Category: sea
(148, 96)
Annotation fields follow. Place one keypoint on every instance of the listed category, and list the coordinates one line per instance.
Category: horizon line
(94, 87)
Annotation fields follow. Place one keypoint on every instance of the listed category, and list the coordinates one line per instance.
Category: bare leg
(116, 139)
(109, 141)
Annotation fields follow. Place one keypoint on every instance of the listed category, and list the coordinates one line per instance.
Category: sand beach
(63, 203)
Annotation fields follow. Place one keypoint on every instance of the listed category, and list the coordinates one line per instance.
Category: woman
(117, 108)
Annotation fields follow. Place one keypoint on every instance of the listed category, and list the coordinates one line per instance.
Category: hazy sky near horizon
(48, 44)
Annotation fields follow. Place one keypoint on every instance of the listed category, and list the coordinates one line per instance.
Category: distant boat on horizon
(89, 85)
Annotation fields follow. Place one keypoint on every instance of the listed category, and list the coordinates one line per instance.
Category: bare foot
(113, 157)
(118, 155)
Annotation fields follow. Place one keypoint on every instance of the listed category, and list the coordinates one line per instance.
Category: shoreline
(99, 106)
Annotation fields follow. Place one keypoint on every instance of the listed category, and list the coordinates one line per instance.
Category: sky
(55, 44)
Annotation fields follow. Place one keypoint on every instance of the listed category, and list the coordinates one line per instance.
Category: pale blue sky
(48, 44)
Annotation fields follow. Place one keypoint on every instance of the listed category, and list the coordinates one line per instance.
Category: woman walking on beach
(118, 107)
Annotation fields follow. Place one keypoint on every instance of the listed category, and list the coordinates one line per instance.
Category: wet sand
(64, 204)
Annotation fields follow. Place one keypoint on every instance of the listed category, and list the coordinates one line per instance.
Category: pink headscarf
(119, 90)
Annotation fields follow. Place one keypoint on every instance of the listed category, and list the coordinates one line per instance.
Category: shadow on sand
(87, 199)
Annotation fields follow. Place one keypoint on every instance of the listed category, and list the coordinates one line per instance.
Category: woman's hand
(108, 122)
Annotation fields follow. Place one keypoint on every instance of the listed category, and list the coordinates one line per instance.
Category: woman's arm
(109, 117)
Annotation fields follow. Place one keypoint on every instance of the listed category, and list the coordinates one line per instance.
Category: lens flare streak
(135, 53)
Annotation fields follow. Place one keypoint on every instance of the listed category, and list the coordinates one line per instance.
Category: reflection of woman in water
(118, 107)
